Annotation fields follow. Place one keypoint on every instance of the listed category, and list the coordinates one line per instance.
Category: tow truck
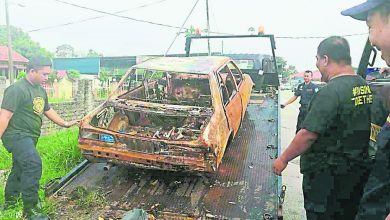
(244, 186)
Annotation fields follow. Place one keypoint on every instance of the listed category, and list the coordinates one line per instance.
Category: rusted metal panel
(203, 65)
(243, 187)
(167, 120)
(234, 112)
(245, 89)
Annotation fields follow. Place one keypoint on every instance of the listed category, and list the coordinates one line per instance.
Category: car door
(244, 85)
(231, 98)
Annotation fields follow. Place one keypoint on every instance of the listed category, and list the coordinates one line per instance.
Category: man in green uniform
(305, 90)
(333, 141)
(375, 203)
(21, 113)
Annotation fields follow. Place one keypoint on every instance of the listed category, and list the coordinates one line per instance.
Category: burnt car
(169, 113)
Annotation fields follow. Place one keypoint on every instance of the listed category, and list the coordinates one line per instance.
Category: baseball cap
(360, 12)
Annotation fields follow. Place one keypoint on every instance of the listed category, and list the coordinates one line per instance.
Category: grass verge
(59, 153)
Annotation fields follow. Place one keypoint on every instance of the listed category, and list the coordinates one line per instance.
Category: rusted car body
(169, 113)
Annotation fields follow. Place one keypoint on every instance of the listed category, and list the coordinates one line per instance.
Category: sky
(118, 36)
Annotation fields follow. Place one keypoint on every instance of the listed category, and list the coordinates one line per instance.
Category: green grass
(59, 153)
(102, 93)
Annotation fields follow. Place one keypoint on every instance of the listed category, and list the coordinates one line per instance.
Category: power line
(126, 17)
(96, 17)
(119, 16)
(188, 16)
(167, 25)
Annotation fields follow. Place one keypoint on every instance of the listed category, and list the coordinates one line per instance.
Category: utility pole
(181, 28)
(10, 63)
(208, 27)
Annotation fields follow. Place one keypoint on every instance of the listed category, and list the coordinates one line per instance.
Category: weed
(86, 199)
(59, 153)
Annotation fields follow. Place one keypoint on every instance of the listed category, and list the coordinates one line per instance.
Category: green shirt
(340, 115)
(27, 102)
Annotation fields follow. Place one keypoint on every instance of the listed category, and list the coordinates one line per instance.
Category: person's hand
(388, 217)
(282, 105)
(385, 72)
(278, 166)
(69, 124)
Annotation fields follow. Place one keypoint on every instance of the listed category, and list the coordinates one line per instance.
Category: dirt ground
(291, 177)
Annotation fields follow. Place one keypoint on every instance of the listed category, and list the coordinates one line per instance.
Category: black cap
(360, 12)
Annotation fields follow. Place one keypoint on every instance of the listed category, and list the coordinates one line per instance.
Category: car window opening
(168, 88)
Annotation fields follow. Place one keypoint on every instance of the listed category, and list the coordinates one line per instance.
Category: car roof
(200, 65)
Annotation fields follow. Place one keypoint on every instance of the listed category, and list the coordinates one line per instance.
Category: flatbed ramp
(243, 188)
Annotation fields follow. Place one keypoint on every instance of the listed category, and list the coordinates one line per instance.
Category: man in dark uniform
(333, 140)
(375, 203)
(23, 106)
(305, 90)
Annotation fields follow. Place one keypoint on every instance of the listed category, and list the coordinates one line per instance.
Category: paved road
(292, 178)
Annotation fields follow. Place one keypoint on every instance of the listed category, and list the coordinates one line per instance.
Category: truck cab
(373, 70)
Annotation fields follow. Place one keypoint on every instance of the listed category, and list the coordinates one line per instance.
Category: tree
(23, 44)
(74, 74)
(65, 51)
(284, 69)
(190, 31)
(92, 53)
(53, 76)
(21, 75)
(103, 77)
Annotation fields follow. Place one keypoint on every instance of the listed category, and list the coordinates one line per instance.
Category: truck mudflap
(244, 186)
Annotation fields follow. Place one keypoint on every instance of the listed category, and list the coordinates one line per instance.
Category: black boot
(33, 211)
(8, 204)
(3, 207)
(34, 214)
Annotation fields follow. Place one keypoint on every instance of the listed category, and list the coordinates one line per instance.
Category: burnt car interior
(169, 88)
(153, 89)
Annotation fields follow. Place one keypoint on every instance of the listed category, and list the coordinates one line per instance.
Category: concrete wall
(82, 104)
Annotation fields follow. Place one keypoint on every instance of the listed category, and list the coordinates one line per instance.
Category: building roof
(16, 57)
(121, 62)
(87, 65)
(202, 65)
(316, 75)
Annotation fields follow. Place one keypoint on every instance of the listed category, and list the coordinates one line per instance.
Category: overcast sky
(114, 36)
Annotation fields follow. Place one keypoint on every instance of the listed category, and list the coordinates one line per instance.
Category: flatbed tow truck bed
(243, 188)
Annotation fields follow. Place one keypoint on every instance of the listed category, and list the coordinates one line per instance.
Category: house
(62, 88)
(19, 62)
(117, 63)
(89, 67)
